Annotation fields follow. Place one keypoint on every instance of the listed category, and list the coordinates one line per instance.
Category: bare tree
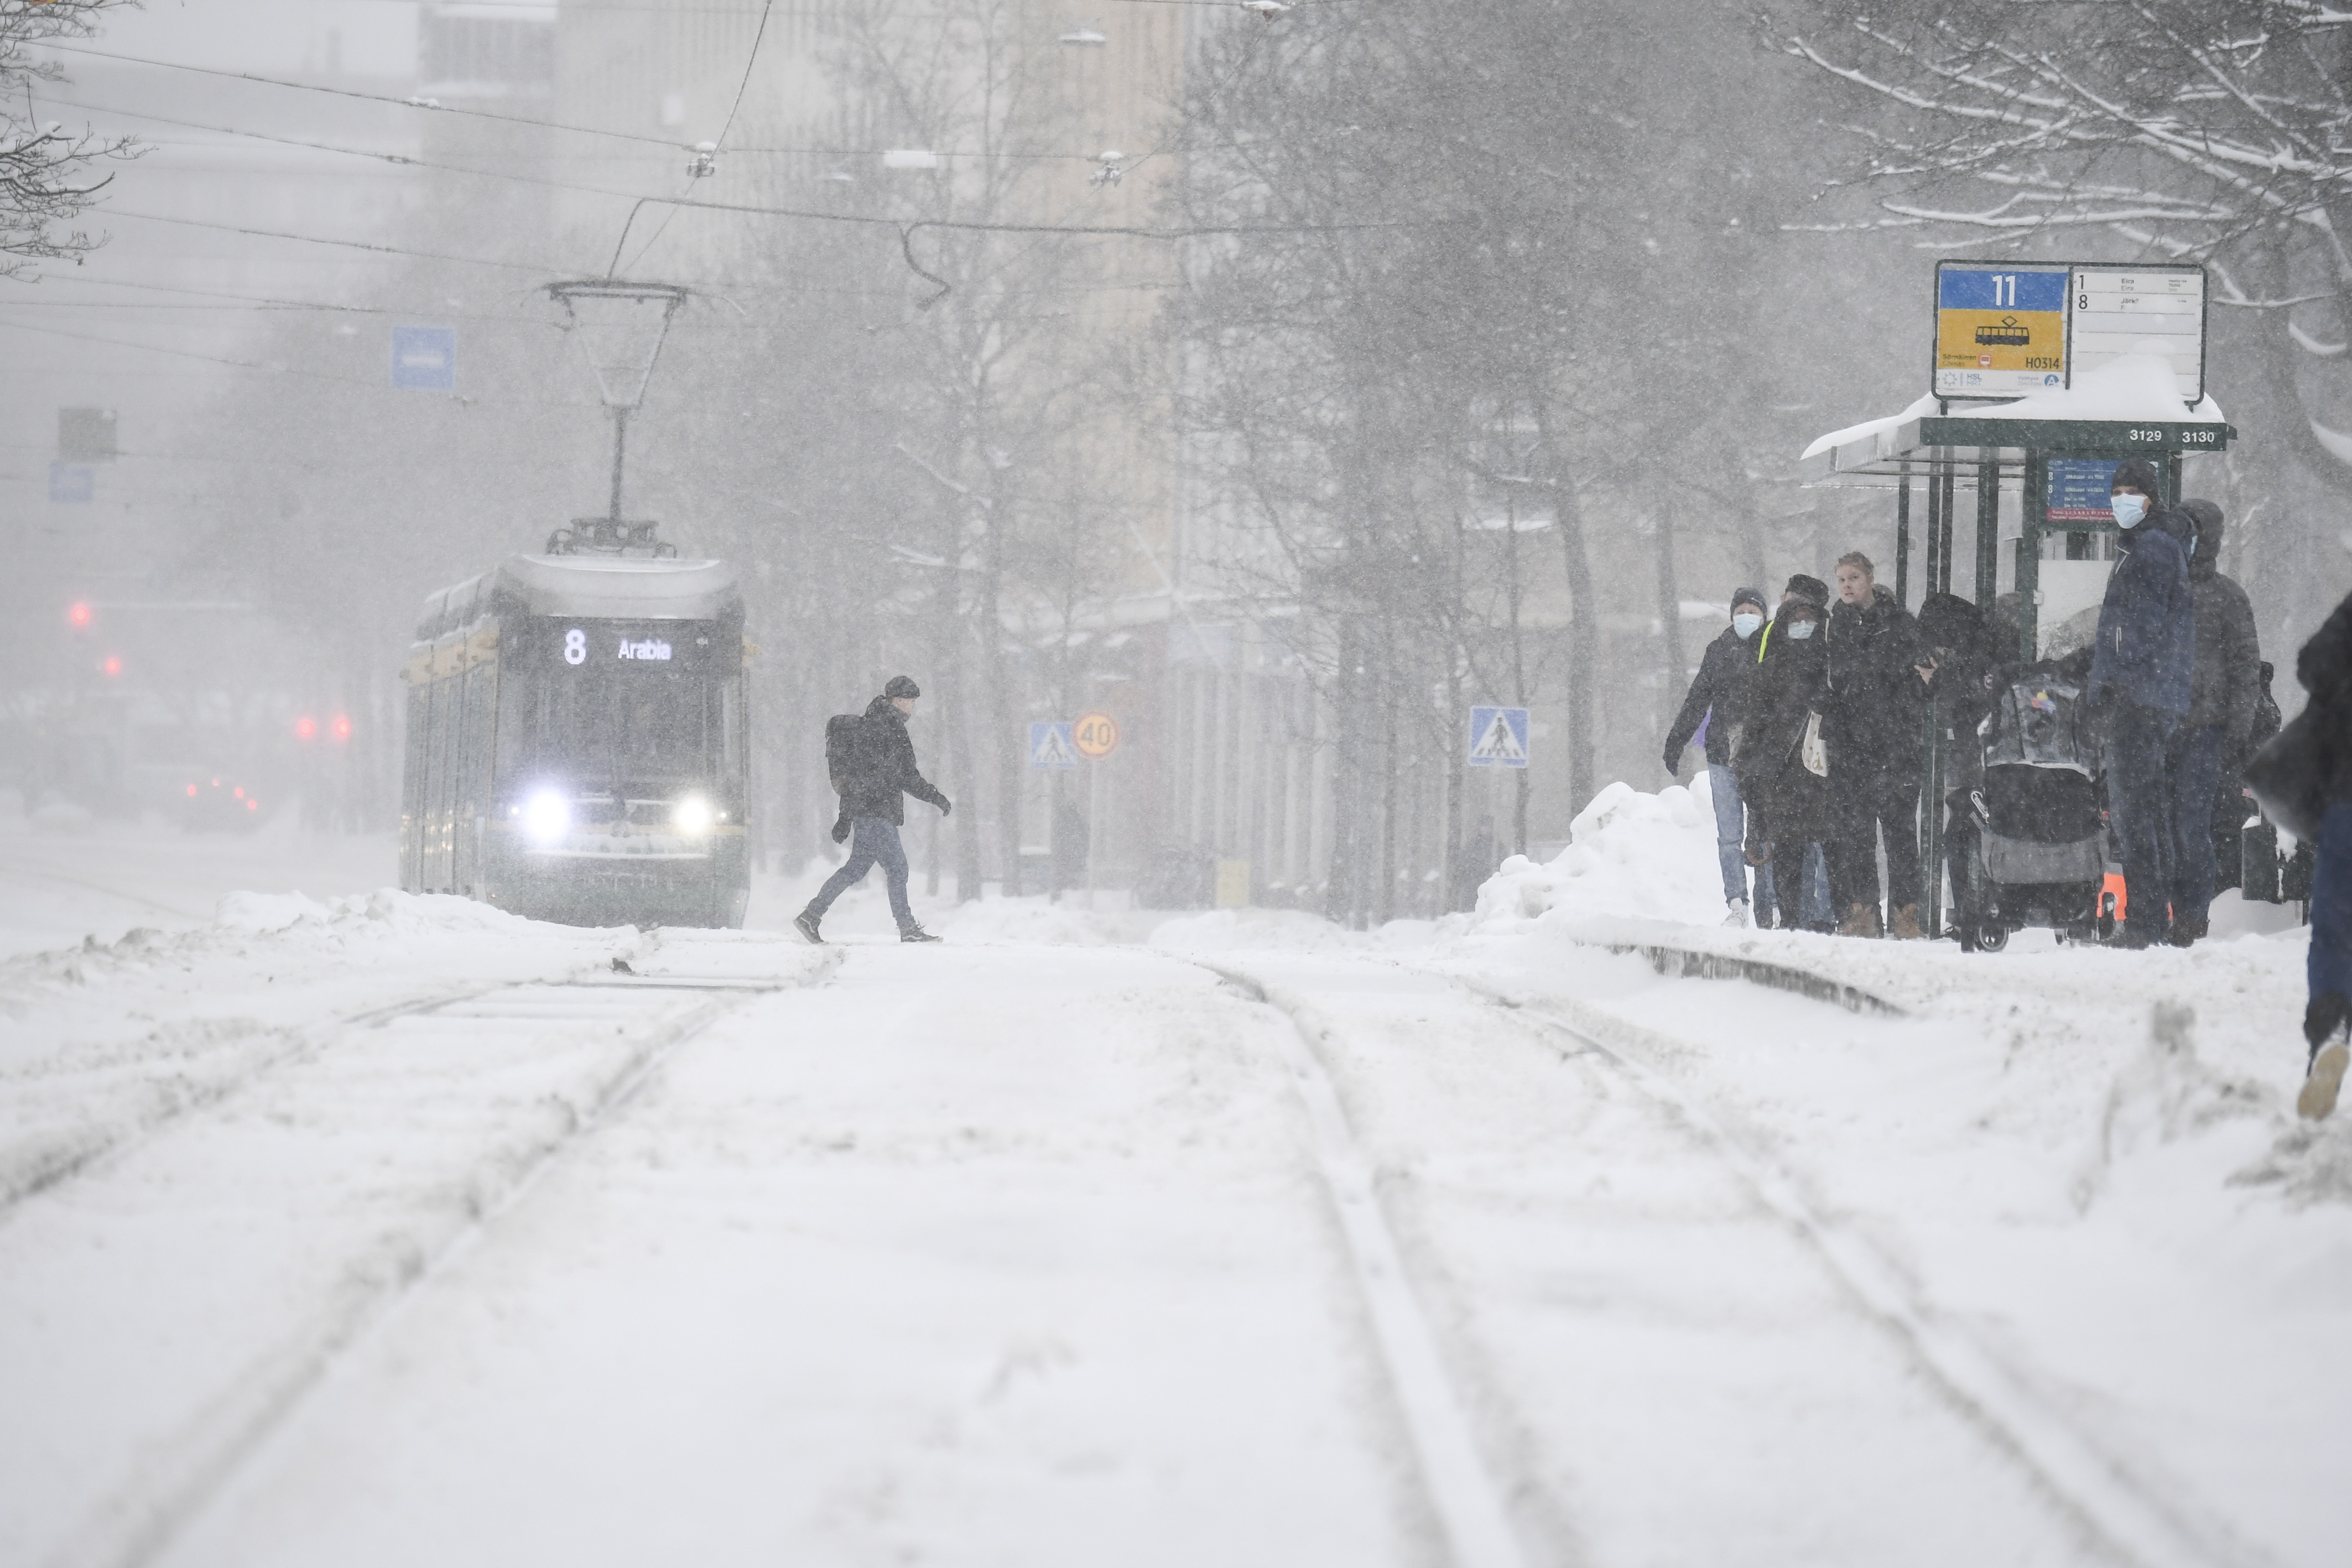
(48, 174)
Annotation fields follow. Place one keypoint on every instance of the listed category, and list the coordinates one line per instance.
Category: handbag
(1814, 752)
(2290, 774)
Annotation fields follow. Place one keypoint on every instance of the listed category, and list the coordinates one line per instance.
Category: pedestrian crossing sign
(1498, 737)
(1050, 746)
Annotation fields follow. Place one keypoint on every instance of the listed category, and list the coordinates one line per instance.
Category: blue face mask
(2129, 510)
(1746, 625)
(1801, 629)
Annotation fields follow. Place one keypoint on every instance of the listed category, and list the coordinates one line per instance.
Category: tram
(576, 749)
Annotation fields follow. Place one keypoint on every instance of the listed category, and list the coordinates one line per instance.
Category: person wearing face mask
(1710, 713)
(1780, 776)
(2142, 667)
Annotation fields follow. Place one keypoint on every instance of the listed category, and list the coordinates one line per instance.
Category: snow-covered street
(389, 1229)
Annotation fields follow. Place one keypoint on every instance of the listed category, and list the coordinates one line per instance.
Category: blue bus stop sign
(424, 358)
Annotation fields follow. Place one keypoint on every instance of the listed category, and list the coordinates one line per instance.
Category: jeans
(2329, 964)
(1730, 838)
(871, 841)
(2138, 802)
(1811, 892)
(1879, 798)
(2193, 770)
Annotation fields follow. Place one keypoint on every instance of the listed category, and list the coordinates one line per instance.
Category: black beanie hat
(1747, 596)
(2140, 475)
(902, 686)
(1811, 589)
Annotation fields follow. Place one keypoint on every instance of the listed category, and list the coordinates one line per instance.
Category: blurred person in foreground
(1872, 723)
(2322, 766)
(2142, 667)
(1781, 775)
(876, 776)
(1711, 711)
(2224, 690)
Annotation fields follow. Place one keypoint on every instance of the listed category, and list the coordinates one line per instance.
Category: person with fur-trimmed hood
(2143, 678)
(2223, 691)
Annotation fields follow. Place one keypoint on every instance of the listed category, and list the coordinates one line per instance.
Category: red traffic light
(342, 728)
(78, 613)
(305, 728)
(113, 665)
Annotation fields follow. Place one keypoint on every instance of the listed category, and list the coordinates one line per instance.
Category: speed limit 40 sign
(1095, 733)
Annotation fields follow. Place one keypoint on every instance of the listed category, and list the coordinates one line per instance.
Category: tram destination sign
(2111, 311)
(2006, 330)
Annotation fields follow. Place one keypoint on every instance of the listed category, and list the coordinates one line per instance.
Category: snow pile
(1630, 854)
(262, 914)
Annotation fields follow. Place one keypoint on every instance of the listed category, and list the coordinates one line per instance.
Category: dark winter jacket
(1789, 800)
(2324, 668)
(1962, 693)
(2228, 679)
(2147, 645)
(1719, 687)
(1877, 700)
(882, 768)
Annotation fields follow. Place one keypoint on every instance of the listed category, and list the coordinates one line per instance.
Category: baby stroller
(2041, 830)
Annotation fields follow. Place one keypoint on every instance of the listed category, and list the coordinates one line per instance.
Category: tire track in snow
(1460, 1488)
(180, 1478)
(2115, 1509)
(86, 1148)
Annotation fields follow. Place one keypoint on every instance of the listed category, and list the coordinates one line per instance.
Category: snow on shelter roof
(2133, 389)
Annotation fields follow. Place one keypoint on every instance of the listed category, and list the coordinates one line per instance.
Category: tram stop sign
(2001, 328)
(1095, 734)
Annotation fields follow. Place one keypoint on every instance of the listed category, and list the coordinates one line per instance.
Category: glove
(840, 830)
(947, 807)
(1674, 764)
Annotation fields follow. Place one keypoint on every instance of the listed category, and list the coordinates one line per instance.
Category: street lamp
(619, 326)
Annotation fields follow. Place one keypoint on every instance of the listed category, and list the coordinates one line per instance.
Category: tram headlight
(691, 815)
(547, 816)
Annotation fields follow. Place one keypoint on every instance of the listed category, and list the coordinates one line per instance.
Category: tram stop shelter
(2057, 449)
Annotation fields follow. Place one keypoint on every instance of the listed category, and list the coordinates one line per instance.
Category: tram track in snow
(1464, 1496)
(2118, 1515)
(177, 1479)
(2129, 1519)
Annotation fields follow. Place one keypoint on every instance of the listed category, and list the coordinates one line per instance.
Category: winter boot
(805, 923)
(1735, 915)
(1904, 924)
(2187, 930)
(916, 934)
(1862, 920)
(2322, 1021)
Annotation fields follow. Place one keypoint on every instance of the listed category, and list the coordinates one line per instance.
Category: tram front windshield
(606, 707)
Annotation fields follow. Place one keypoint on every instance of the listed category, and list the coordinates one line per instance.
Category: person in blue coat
(2143, 670)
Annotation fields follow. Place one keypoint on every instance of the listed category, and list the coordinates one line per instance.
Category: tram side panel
(418, 676)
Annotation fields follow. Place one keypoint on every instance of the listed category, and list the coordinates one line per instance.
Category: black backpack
(841, 749)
